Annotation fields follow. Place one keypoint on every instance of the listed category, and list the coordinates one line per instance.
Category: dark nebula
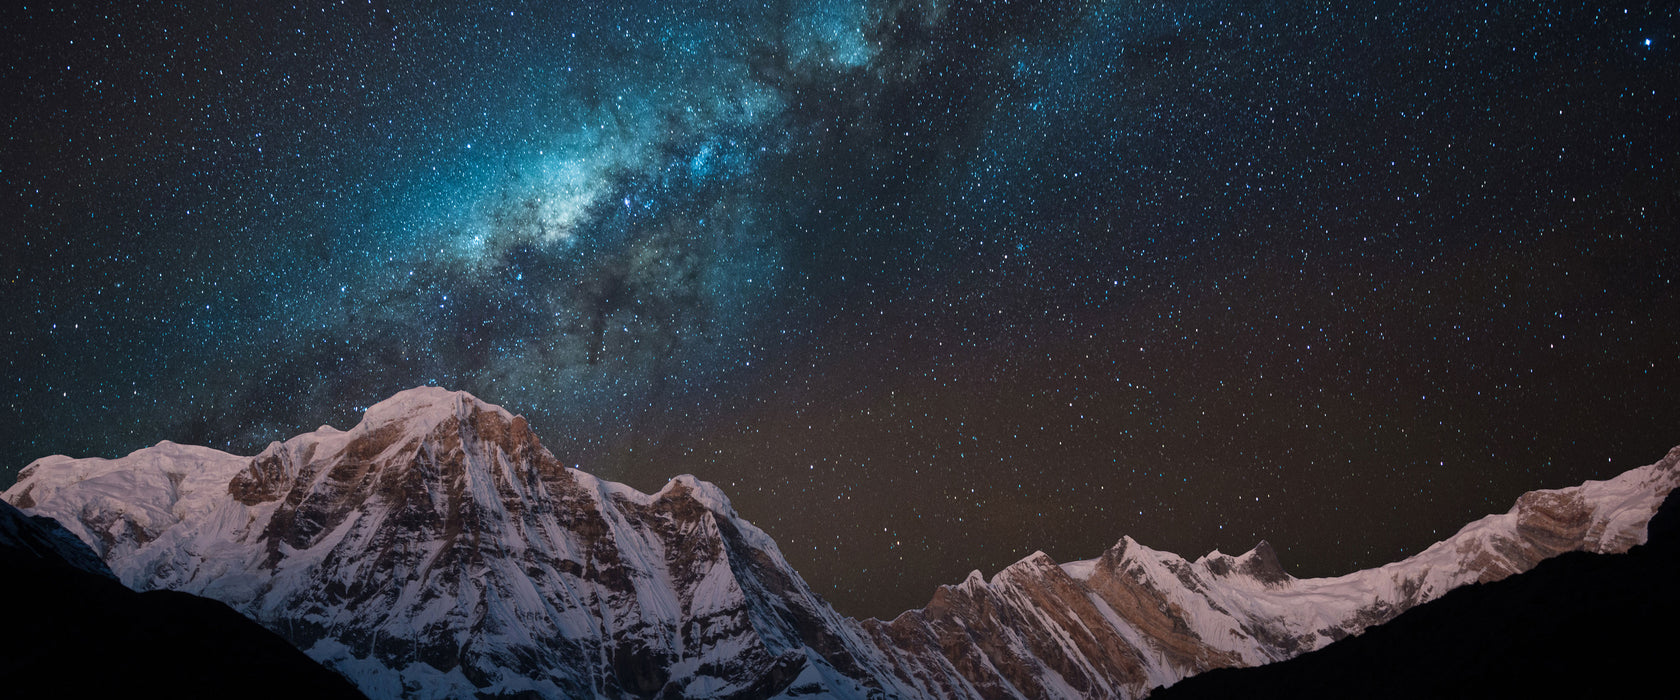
(924, 286)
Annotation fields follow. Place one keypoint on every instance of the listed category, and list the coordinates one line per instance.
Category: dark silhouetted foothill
(1577, 625)
(69, 629)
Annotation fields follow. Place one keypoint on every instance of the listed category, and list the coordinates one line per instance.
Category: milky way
(925, 286)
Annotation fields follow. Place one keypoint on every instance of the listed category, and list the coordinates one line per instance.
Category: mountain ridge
(1580, 624)
(437, 548)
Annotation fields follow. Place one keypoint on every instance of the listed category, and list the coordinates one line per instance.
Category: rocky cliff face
(437, 549)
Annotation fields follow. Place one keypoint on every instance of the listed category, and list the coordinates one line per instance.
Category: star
(970, 279)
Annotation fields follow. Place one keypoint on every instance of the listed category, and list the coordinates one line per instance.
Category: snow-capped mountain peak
(424, 409)
(438, 548)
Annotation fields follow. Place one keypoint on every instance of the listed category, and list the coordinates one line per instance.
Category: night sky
(924, 286)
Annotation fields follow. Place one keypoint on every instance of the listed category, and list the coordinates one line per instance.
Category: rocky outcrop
(437, 549)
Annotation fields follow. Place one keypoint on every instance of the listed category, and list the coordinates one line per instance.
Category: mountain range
(437, 549)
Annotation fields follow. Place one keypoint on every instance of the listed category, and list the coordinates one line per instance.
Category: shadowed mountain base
(71, 632)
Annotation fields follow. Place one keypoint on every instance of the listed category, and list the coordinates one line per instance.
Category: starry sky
(925, 285)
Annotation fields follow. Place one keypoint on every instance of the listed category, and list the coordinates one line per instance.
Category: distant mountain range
(438, 550)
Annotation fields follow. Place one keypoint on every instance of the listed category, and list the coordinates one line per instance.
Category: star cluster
(925, 286)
